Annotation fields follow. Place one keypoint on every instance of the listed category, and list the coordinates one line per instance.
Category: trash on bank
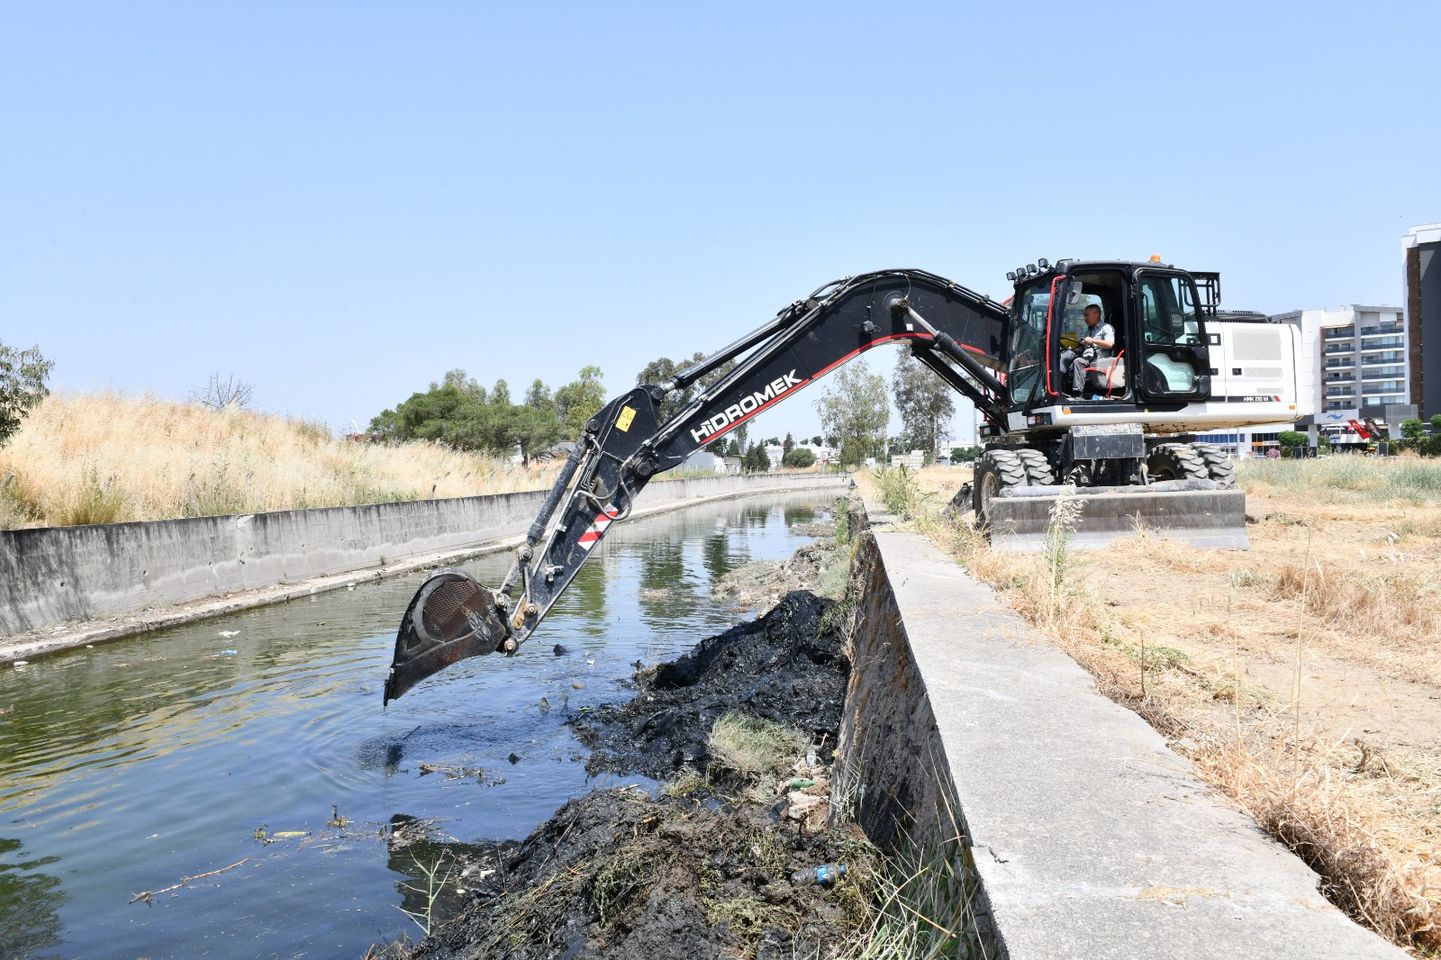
(822, 876)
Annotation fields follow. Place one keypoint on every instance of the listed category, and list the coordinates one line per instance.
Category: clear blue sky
(338, 202)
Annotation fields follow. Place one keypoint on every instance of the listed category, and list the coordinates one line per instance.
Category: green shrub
(799, 458)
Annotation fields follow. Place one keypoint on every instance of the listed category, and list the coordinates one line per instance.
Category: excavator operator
(1097, 344)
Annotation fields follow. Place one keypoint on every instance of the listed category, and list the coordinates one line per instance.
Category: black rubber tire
(1038, 468)
(997, 470)
(1219, 466)
(1176, 461)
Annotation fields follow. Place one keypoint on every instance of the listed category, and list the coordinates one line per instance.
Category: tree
(500, 393)
(856, 412)
(579, 400)
(1291, 441)
(925, 402)
(1436, 422)
(458, 412)
(788, 444)
(799, 458)
(532, 430)
(461, 381)
(756, 460)
(222, 392)
(964, 454)
(22, 386)
(538, 396)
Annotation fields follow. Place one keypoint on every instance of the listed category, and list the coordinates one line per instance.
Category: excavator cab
(1159, 343)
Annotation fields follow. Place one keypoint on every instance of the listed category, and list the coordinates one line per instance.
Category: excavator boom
(955, 331)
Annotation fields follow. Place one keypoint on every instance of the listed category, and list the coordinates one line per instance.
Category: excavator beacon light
(1155, 258)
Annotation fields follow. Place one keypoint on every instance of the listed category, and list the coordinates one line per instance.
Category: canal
(258, 739)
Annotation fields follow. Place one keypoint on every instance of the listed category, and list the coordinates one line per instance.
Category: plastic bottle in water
(822, 876)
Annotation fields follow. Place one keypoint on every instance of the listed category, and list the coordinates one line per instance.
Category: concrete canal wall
(61, 575)
(1081, 833)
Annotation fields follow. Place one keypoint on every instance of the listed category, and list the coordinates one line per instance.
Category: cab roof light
(1155, 258)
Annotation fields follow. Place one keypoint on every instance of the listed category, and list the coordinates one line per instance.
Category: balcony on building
(1382, 343)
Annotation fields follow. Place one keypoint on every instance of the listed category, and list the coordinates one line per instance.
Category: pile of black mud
(788, 667)
(619, 875)
(692, 872)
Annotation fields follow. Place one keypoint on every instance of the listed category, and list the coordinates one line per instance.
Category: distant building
(1354, 361)
(705, 461)
(1421, 249)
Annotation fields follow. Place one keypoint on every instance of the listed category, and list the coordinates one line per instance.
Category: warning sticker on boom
(622, 422)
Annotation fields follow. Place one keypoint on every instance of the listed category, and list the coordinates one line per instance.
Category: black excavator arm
(954, 331)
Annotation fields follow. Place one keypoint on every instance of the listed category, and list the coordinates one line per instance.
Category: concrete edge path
(1091, 838)
(68, 636)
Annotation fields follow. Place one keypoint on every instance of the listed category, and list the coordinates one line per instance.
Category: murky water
(127, 767)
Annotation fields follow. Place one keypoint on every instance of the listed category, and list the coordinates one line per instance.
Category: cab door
(1175, 362)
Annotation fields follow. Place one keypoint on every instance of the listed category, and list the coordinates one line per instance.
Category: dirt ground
(1302, 676)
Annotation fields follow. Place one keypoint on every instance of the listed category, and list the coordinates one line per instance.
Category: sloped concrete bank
(65, 586)
(1084, 835)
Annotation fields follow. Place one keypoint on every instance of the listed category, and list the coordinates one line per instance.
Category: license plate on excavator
(451, 617)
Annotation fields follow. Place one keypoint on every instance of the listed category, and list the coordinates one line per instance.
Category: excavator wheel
(997, 471)
(1038, 468)
(1176, 461)
(1218, 466)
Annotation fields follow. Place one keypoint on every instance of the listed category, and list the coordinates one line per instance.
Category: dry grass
(1303, 677)
(104, 457)
(753, 748)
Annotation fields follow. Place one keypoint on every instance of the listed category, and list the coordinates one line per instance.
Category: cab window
(1171, 330)
(1168, 311)
(1027, 347)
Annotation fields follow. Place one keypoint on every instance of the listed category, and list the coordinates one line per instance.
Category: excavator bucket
(1197, 512)
(451, 617)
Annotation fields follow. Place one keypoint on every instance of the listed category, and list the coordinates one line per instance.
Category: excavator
(1122, 445)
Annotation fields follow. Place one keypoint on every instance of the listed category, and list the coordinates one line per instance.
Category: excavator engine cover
(452, 617)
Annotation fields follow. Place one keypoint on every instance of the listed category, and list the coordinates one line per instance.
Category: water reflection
(30, 923)
(133, 764)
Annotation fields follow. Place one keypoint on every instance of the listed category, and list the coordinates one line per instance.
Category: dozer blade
(1188, 511)
(452, 617)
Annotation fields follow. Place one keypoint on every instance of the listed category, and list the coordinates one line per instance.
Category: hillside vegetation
(105, 457)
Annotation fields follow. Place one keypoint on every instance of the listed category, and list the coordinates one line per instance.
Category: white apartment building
(1355, 358)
